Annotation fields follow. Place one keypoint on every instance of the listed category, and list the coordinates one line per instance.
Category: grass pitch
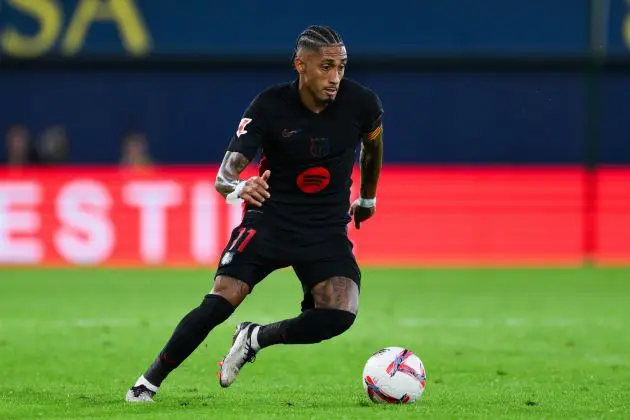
(535, 343)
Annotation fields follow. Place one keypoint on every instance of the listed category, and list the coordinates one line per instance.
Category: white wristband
(235, 196)
(366, 202)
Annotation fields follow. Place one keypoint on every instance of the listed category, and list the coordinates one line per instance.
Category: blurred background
(507, 128)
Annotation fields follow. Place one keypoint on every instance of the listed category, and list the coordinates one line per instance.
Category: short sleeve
(372, 113)
(250, 131)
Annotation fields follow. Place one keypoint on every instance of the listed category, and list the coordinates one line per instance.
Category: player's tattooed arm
(229, 173)
(371, 161)
(254, 191)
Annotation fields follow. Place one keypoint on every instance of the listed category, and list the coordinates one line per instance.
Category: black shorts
(256, 248)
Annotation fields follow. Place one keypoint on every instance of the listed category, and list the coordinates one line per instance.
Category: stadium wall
(427, 216)
(455, 117)
(505, 122)
(245, 28)
(462, 82)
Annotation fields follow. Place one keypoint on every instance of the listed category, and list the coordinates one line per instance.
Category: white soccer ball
(394, 375)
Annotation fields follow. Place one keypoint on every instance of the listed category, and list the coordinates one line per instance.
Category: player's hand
(361, 214)
(255, 189)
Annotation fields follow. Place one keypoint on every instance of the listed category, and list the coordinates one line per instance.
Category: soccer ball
(394, 375)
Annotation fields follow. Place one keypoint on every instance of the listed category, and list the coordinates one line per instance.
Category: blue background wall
(486, 117)
(234, 27)
(515, 115)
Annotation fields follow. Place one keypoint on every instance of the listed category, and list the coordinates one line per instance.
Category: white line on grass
(100, 323)
(511, 322)
(543, 322)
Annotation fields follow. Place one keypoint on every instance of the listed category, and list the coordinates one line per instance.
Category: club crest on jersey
(241, 126)
(319, 146)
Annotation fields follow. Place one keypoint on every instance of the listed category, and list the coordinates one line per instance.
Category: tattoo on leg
(337, 293)
(234, 290)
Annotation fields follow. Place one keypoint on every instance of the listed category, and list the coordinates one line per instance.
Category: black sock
(188, 335)
(312, 326)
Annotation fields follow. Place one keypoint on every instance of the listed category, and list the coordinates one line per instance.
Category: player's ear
(299, 65)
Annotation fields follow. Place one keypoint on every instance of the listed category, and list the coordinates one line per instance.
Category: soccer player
(296, 212)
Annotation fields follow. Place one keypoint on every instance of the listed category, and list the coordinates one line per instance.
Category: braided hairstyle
(314, 37)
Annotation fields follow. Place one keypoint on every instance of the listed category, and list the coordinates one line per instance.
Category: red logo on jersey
(241, 127)
(313, 180)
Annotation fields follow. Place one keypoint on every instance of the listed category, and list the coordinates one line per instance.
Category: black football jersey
(310, 155)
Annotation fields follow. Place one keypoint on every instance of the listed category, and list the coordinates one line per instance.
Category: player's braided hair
(315, 36)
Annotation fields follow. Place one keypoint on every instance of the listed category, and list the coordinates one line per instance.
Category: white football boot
(139, 393)
(241, 352)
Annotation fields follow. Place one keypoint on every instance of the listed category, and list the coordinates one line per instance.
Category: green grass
(542, 343)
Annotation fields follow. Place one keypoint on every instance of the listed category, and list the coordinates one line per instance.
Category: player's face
(324, 71)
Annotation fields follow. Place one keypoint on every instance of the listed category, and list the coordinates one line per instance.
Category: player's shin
(312, 326)
(188, 335)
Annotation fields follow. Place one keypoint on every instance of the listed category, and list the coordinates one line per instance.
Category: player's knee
(334, 322)
(213, 310)
(231, 289)
(340, 293)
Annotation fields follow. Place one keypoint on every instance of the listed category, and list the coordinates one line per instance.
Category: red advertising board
(612, 222)
(425, 216)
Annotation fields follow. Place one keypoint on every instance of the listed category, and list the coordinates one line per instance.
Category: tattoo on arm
(371, 162)
(229, 173)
